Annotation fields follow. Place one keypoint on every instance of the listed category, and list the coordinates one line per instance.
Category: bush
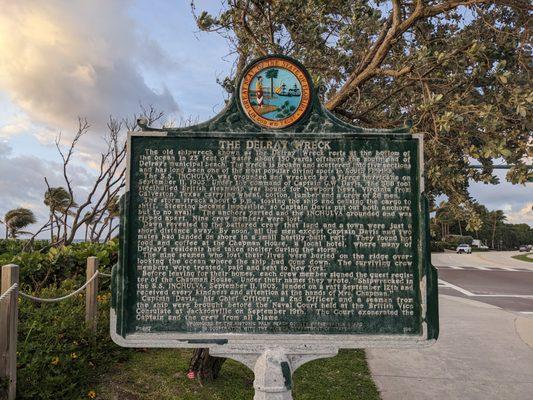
(38, 270)
(58, 357)
(437, 247)
(15, 245)
(458, 239)
(449, 245)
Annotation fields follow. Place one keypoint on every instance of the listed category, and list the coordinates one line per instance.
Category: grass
(161, 374)
(524, 257)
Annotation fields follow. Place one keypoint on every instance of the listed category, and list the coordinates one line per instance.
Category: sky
(63, 59)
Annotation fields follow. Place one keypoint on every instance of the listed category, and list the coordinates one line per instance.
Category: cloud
(512, 199)
(16, 125)
(522, 216)
(22, 183)
(60, 59)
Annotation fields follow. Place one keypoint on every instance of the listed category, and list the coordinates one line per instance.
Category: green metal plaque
(233, 232)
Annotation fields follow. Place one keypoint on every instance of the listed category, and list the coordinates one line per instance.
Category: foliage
(14, 246)
(491, 229)
(458, 239)
(460, 71)
(38, 270)
(59, 201)
(16, 220)
(437, 246)
(58, 358)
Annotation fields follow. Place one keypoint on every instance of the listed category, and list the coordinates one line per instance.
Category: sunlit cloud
(520, 216)
(61, 59)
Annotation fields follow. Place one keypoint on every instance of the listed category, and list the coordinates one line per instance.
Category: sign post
(274, 234)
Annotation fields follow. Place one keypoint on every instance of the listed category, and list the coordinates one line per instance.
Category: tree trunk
(460, 228)
(51, 228)
(493, 233)
(58, 227)
(65, 226)
(108, 237)
(203, 366)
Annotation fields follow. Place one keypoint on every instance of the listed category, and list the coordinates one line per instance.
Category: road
(485, 346)
(490, 277)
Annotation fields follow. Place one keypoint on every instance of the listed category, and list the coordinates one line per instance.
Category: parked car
(463, 248)
(523, 248)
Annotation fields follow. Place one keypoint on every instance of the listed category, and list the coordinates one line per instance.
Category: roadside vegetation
(475, 224)
(524, 257)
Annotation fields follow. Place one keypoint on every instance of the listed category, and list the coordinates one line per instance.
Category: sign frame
(427, 284)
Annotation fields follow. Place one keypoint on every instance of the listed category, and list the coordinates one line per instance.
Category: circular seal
(275, 92)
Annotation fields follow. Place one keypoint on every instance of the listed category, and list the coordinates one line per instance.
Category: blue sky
(94, 58)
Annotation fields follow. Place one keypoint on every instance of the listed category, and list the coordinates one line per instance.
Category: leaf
(506, 152)
(502, 79)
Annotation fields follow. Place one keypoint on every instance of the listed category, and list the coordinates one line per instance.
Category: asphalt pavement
(485, 347)
(490, 277)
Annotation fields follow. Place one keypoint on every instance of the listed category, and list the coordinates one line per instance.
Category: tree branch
(394, 73)
(397, 28)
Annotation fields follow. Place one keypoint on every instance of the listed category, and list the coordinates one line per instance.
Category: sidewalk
(482, 353)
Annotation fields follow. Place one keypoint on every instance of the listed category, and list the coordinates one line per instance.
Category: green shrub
(42, 269)
(14, 246)
(437, 247)
(458, 239)
(58, 357)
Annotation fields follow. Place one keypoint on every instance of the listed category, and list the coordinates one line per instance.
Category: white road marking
(470, 294)
(459, 289)
(509, 269)
(526, 312)
(519, 296)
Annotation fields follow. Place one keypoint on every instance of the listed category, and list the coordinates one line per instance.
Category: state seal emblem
(275, 92)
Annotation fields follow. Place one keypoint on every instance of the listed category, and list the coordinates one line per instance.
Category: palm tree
(17, 219)
(57, 199)
(443, 216)
(89, 219)
(497, 217)
(272, 74)
(113, 211)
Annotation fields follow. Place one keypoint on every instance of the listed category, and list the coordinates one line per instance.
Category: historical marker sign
(235, 234)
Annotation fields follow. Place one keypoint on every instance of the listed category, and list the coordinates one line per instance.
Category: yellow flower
(55, 361)
(73, 355)
(91, 394)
